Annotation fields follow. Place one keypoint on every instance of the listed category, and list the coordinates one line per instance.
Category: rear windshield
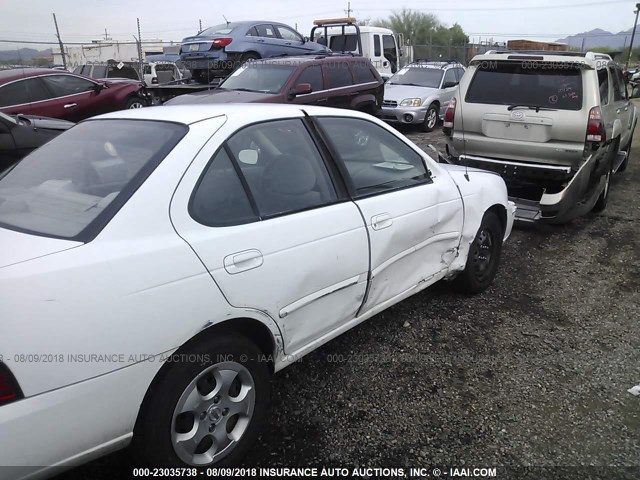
(344, 43)
(417, 77)
(259, 77)
(519, 83)
(223, 29)
(83, 176)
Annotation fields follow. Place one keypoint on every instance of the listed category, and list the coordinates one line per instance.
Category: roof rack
(327, 23)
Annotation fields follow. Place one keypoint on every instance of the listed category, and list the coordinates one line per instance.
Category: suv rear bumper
(575, 196)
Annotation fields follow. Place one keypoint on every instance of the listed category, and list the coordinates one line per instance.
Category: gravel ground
(533, 372)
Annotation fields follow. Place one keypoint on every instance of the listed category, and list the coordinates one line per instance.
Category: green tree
(421, 28)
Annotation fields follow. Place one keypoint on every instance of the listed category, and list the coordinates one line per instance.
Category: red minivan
(61, 94)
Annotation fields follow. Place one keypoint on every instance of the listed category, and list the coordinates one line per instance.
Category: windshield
(90, 170)
(545, 85)
(259, 77)
(417, 76)
(223, 29)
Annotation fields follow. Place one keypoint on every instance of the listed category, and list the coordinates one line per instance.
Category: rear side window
(220, 199)
(124, 72)
(282, 167)
(376, 160)
(313, 76)
(266, 31)
(62, 85)
(519, 83)
(362, 73)
(23, 91)
(603, 82)
(344, 43)
(338, 74)
(99, 71)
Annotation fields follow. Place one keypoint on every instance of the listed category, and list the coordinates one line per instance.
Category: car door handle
(260, 40)
(383, 220)
(243, 261)
(70, 105)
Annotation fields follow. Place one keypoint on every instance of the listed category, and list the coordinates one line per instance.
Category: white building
(103, 50)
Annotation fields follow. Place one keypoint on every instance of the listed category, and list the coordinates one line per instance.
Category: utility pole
(633, 34)
(64, 60)
(200, 24)
(348, 10)
(140, 51)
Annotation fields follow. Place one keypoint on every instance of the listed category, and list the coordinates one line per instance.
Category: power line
(484, 9)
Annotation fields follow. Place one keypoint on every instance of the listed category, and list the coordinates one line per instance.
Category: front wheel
(430, 118)
(484, 257)
(208, 406)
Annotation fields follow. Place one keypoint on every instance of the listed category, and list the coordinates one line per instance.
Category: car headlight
(411, 102)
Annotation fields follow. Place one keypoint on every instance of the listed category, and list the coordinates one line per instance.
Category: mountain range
(601, 38)
(23, 54)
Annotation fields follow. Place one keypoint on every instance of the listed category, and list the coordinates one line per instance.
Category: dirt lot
(534, 372)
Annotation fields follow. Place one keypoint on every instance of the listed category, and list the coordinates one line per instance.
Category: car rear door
(268, 44)
(501, 119)
(262, 213)
(414, 219)
(339, 83)
(28, 96)
(621, 104)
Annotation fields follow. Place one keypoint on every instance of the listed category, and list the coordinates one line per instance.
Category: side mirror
(300, 89)
(635, 90)
(449, 84)
(98, 87)
(248, 156)
(305, 39)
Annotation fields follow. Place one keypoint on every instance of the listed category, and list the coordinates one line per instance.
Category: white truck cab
(380, 45)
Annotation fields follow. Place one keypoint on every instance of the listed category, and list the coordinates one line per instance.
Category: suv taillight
(222, 42)
(9, 389)
(595, 126)
(449, 117)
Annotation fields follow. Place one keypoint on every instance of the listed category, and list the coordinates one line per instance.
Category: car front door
(292, 40)
(313, 76)
(262, 213)
(450, 81)
(414, 219)
(339, 83)
(76, 96)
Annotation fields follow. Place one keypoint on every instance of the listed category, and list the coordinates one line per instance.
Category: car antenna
(225, 19)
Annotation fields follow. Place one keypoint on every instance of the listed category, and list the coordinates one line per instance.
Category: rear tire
(182, 423)
(247, 57)
(601, 203)
(484, 257)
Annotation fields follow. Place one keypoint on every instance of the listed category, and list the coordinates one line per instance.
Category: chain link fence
(439, 53)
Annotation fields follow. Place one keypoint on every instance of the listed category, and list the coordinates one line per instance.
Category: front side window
(376, 160)
(523, 83)
(80, 178)
(282, 167)
(259, 77)
(289, 34)
(313, 76)
(449, 78)
(63, 85)
(377, 49)
(417, 77)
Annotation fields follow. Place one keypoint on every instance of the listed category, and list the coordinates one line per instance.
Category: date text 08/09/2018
(336, 472)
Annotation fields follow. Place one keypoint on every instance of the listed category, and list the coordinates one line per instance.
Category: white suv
(555, 125)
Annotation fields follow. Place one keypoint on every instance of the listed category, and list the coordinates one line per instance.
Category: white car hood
(400, 92)
(19, 247)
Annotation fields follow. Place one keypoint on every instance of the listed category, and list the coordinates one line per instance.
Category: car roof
(252, 112)
(589, 60)
(313, 57)
(16, 73)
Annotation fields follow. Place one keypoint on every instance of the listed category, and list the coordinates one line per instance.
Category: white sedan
(159, 265)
